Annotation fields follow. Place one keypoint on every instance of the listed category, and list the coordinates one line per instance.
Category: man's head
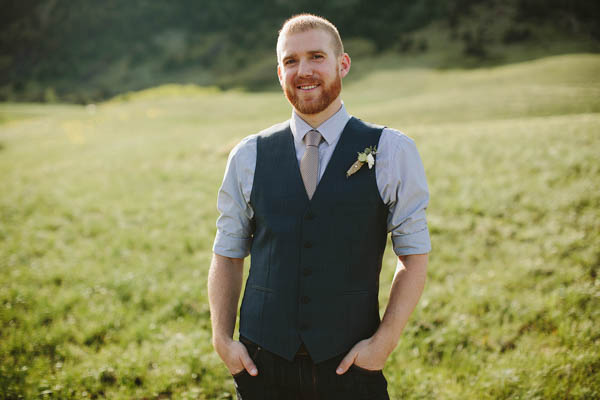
(306, 22)
(311, 64)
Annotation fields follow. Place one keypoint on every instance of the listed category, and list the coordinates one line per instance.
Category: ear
(344, 64)
(280, 74)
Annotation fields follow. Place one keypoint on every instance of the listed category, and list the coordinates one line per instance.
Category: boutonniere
(367, 156)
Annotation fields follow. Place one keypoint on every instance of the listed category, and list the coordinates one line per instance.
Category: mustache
(304, 81)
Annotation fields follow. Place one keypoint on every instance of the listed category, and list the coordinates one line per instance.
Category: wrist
(221, 341)
(385, 342)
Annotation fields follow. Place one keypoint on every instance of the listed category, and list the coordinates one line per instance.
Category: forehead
(304, 42)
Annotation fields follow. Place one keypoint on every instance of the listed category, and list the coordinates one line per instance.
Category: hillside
(107, 217)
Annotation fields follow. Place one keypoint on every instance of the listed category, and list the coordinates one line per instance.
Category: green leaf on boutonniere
(366, 156)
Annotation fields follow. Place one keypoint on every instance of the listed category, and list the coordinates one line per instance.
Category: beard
(328, 95)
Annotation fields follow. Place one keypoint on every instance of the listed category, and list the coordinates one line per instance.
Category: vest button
(306, 271)
(309, 216)
(304, 326)
(307, 244)
(305, 299)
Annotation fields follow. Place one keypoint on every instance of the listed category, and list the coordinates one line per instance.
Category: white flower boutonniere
(367, 156)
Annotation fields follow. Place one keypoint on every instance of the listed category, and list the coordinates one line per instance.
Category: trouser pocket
(253, 348)
(245, 384)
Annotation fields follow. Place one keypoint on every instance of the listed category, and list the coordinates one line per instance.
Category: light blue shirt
(399, 174)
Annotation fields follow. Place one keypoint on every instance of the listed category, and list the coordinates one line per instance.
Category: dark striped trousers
(301, 379)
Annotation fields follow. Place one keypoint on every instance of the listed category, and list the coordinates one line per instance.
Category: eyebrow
(311, 52)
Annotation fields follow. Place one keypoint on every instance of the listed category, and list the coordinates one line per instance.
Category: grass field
(107, 216)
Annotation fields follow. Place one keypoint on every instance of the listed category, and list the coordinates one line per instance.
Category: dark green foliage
(475, 42)
(516, 34)
(572, 15)
(87, 50)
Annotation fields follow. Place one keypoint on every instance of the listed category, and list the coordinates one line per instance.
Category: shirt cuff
(229, 246)
(413, 243)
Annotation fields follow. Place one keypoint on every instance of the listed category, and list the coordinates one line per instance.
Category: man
(309, 320)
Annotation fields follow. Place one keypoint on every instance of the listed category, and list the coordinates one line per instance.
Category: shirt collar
(330, 130)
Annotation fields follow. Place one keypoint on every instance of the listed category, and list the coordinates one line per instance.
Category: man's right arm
(232, 244)
(224, 287)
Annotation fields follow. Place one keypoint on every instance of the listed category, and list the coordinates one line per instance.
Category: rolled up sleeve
(406, 193)
(234, 224)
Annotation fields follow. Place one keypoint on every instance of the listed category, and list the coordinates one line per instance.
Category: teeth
(308, 87)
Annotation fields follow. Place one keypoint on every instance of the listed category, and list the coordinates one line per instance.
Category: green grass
(107, 216)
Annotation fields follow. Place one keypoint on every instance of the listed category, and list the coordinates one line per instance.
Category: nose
(304, 68)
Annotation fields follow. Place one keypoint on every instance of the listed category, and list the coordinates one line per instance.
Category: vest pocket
(261, 288)
(353, 292)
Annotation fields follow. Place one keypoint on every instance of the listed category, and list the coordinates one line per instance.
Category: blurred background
(57, 50)
(116, 121)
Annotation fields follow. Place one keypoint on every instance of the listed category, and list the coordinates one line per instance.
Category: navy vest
(315, 264)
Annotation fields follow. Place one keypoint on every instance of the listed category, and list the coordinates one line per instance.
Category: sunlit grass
(107, 216)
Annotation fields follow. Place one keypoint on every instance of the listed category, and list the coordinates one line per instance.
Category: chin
(318, 102)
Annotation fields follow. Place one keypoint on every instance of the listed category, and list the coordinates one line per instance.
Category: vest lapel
(291, 150)
(333, 161)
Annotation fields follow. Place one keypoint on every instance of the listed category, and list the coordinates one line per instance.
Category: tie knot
(313, 138)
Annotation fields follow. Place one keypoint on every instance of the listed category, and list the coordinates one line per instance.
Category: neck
(315, 120)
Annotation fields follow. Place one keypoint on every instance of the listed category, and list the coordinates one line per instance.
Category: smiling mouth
(307, 87)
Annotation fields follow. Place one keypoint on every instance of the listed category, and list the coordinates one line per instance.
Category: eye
(289, 61)
(317, 56)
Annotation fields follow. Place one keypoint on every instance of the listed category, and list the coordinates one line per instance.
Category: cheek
(287, 79)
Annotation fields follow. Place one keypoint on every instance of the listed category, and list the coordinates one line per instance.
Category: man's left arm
(407, 286)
